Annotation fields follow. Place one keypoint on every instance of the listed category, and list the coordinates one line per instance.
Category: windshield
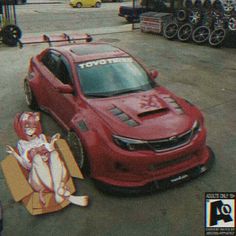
(113, 76)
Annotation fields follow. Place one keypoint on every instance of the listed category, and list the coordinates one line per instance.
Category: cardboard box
(16, 178)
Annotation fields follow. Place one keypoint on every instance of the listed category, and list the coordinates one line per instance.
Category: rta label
(220, 213)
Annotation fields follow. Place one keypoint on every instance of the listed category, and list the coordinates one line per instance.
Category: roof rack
(69, 38)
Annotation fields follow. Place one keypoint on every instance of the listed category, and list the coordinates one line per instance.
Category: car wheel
(29, 96)
(79, 5)
(217, 37)
(78, 151)
(98, 4)
(185, 32)
(201, 34)
(170, 30)
(194, 16)
(11, 34)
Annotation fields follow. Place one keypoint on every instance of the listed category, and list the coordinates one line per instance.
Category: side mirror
(153, 74)
(65, 88)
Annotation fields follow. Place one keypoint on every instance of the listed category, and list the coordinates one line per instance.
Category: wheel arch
(79, 3)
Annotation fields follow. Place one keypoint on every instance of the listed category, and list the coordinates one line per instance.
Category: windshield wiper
(128, 91)
(96, 95)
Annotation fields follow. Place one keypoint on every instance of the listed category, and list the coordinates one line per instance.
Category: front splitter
(159, 184)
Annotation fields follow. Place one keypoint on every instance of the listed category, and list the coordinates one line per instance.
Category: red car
(131, 133)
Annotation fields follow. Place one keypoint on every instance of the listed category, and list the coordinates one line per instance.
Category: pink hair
(22, 119)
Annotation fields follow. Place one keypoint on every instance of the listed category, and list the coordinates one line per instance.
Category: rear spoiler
(69, 38)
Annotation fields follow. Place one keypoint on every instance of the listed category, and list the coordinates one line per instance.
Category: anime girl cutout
(36, 153)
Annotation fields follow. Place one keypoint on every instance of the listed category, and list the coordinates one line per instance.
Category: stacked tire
(202, 23)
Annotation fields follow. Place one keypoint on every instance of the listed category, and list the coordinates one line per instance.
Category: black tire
(217, 37)
(79, 5)
(11, 34)
(78, 152)
(170, 30)
(201, 34)
(181, 15)
(29, 96)
(185, 32)
(98, 5)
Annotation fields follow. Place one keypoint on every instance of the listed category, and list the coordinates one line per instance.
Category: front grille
(163, 165)
(172, 142)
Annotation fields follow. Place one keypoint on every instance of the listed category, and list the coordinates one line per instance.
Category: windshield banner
(104, 62)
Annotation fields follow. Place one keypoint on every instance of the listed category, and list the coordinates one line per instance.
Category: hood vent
(171, 101)
(147, 113)
(123, 117)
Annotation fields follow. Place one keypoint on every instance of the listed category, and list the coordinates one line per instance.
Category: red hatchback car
(131, 133)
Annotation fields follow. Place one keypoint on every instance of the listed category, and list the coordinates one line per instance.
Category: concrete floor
(205, 76)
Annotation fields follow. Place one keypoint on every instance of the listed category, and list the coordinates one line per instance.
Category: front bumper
(114, 166)
(160, 184)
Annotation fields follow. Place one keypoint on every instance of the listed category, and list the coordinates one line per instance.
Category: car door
(57, 73)
(87, 3)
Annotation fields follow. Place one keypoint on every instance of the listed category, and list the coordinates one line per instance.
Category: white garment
(24, 147)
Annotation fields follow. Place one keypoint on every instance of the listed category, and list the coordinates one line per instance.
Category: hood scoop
(152, 112)
(123, 117)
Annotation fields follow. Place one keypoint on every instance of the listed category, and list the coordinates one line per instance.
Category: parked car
(129, 132)
(85, 3)
(133, 13)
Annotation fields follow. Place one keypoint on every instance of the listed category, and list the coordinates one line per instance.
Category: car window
(58, 65)
(63, 73)
(50, 60)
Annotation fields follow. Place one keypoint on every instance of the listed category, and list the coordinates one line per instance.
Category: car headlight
(130, 144)
(196, 127)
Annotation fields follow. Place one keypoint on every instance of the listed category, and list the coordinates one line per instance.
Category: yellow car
(85, 3)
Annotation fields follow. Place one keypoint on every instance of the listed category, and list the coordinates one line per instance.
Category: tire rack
(203, 23)
(200, 22)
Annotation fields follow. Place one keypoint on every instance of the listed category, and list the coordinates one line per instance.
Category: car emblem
(173, 138)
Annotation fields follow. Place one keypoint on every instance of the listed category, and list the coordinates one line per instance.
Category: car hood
(149, 115)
